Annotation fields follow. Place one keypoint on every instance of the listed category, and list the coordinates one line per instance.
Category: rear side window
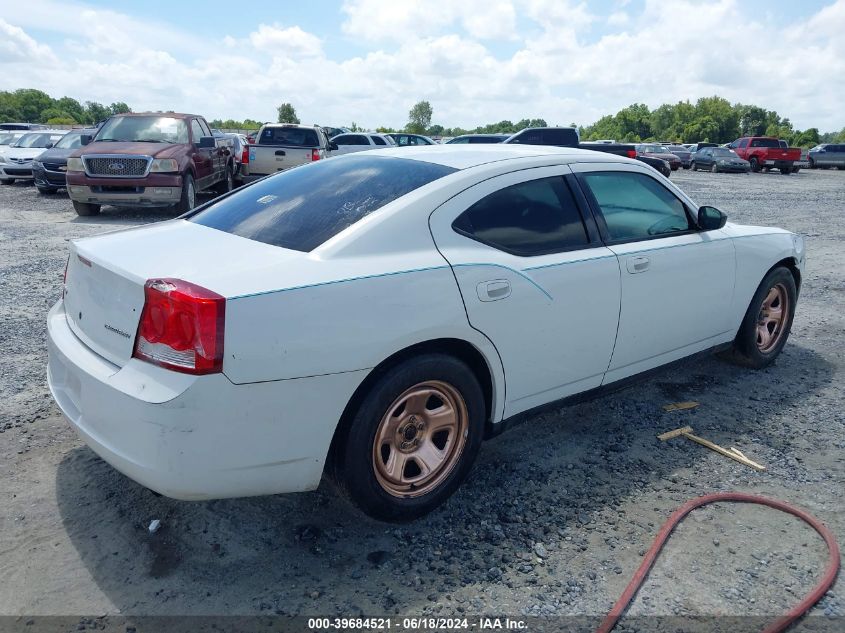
(351, 139)
(378, 140)
(765, 142)
(531, 218)
(291, 136)
(635, 206)
(303, 207)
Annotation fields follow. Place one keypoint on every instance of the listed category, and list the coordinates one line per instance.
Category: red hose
(783, 622)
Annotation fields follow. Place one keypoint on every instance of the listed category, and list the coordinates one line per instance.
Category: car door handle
(638, 264)
(494, 289)
(279, 152)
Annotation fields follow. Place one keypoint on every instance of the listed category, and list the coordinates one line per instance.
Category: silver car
(828, 155)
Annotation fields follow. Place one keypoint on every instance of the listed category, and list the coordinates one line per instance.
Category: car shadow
(137, 215)
(560, 473)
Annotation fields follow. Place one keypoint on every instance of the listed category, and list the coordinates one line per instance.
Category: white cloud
(278, 40)
(566, 64)
(16, 45)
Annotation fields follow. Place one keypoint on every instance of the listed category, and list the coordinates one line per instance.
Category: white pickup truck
(280, 146)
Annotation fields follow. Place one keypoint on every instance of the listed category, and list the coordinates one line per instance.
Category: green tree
(287, 114)
(9, 109)
(72, 107)
(119, 107)
(95, 112)
(31, 103)
(419, 117)
(51, 115)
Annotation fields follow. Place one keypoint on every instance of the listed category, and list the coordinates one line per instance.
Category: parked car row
(164, 158)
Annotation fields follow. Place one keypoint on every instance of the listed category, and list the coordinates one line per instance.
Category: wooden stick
(668, 435)
(742, 459)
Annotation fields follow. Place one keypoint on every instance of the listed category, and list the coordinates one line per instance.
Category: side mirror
(207, 142)
(85, 139)
(48, 146)
(711, 219)
(332, 145)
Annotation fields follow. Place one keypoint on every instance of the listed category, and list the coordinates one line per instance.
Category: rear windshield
(291, 136)
(303, 207)
(563, 137)
(765, 142)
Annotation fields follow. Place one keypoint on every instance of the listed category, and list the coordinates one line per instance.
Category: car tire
(7, 181)
(693, 166)
(189, 194)
(85, 209)
(786, 171)
(227, 184)
(795, 170)
(812, 163)
(714, 169)
(45, 191)
(755, 164)
(761, 338)
(380, 461)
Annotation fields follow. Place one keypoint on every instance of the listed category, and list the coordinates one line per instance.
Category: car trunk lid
(104, 287)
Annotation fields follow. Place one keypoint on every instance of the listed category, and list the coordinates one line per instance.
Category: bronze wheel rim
(420, 439)
(771, 320)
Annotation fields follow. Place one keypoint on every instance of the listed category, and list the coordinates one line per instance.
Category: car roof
(466, 156)
(172, 115)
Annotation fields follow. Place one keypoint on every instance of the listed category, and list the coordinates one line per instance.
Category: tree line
(28, 105)
(713, 119)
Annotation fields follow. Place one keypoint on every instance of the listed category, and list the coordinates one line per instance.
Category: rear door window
(378, 140)
(531, 218)
(352, 139)
(301, 208)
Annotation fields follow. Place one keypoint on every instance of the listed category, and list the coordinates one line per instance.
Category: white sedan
(16, 158)
(376, 315)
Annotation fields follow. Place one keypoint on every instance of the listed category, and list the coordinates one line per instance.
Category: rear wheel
(795, 170)
(413, 439)
(189, 194)
(7, 181)
(767, 322)
(755, 164)
(228, 182)
(693, 166)
(786, 170)
(85, 209)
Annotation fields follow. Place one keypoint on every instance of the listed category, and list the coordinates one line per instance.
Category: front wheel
(189, 194)
(44, 191)
(413, 439)
(755, 164)
(714, 169)
(85, 209)
(768, 321)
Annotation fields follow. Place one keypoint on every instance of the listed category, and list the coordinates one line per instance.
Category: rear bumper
(196, 437)
(778, 164)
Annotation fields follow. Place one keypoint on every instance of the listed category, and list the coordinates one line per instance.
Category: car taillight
(315, 155)
(181, 327)
(245, 155)
(632, 153)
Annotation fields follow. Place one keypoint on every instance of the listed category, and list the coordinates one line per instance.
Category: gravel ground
(553, 520)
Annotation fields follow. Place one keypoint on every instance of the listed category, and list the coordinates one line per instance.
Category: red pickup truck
(150, 159)
(765, 152)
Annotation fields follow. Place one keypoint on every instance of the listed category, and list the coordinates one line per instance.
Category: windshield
(146, 129)
(303, 207)
(678, 148)
(71, 140)
(36, 140)
(723, 152)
